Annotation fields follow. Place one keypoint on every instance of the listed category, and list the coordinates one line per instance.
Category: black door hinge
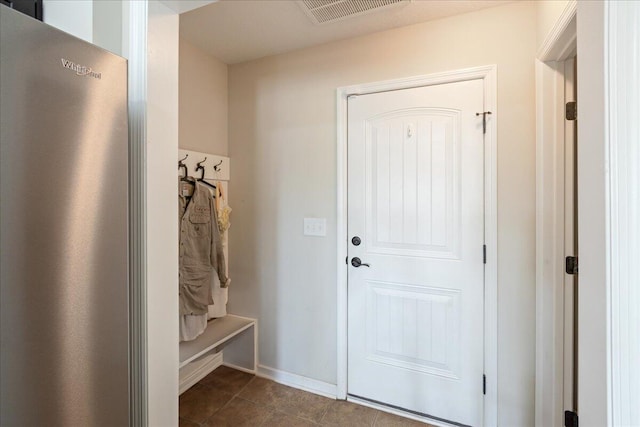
(484, 384)
(571, 265)
(571, 110)
(570, 419)
(484, 254)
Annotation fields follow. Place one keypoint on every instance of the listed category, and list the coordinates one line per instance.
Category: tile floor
(228, 397)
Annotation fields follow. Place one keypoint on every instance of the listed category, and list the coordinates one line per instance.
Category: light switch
(315, 226)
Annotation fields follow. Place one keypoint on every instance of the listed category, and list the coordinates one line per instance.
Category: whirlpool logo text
(80, 70)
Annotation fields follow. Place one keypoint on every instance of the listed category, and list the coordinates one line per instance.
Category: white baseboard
(298, 381)
(193, 372)
(239, 368)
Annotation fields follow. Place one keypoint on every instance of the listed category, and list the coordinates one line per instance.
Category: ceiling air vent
(325, 11)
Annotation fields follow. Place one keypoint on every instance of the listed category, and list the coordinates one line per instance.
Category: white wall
(72, 16)
(107, 24)
(101, 22)
(282, 137)
(162, 215)
(203, 101)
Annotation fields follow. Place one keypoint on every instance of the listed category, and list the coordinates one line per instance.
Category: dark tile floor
(228, 397)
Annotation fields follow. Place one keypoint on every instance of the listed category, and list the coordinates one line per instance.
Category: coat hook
(200, 167)
(217, 167)
(181, 165)
(484, 120)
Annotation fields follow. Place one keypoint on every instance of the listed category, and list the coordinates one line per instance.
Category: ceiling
(182, 6)
(241, 30)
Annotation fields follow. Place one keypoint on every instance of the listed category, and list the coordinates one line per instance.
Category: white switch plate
(315, 226)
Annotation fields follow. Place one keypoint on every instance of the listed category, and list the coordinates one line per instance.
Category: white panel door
(415, 201)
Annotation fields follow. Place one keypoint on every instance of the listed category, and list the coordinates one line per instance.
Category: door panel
(412, 183)
(416, 201)
(413, 327)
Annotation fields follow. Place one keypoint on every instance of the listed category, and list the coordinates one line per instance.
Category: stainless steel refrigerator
(63, 212)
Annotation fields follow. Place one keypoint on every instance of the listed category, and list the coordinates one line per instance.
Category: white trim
(341, 230)
(383, 408)
(622, 98)
(204, 343)
(135, 43)
(192, 374)
(550, 228)
(491, 240)
(549, 241)
(297, 381)
(238, 367)
(489, 76)
(560, 43)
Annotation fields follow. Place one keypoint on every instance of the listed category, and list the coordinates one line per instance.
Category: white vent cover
(325, 11)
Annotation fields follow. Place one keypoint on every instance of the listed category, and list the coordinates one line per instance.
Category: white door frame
(608, 176)
(559, 45)
(489, 76)
(622, 101)
(134, 34)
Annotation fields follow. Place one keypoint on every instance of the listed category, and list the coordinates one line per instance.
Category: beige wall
(162, 215)
(203, 101)
(595, 242)
(282, 132)
(548, 12)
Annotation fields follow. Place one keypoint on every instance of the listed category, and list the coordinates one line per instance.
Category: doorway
(556, 225)
(420, 300)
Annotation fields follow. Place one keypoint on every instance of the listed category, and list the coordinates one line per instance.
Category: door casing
(488, 74)
(570, 244)
(551, 348)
